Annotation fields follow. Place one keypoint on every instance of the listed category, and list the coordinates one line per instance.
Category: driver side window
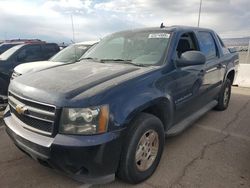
(186, 43)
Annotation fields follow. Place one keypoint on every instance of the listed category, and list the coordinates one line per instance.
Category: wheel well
(160, 110)
(3, 88)
(230, 76)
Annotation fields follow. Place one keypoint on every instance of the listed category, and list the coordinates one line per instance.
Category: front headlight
(84, 121)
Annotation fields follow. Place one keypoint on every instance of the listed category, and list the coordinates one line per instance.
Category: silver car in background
(70, 54)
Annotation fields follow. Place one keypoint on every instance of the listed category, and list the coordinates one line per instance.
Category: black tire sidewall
(135, 134)
(221, 105)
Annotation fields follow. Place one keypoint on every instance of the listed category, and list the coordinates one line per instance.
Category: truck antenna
(73, 28)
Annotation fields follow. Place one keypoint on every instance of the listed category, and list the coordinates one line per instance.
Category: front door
(189, 87)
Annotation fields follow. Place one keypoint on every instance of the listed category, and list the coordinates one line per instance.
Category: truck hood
(35, 66)
(66, 82)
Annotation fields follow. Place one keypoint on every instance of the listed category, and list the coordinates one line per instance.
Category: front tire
(224, 96)
(143, 149)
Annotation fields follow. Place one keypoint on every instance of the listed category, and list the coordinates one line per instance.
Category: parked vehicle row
(70, 54)
(19, 54)
(10, 43)
(108, 114)
(33, 53)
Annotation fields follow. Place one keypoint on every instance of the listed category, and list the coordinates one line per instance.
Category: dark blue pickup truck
(109, 113)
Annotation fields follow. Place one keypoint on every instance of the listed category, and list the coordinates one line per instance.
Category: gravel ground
(214, 152)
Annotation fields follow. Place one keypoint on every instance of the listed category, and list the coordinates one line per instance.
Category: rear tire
(142, 149)
(224, 96)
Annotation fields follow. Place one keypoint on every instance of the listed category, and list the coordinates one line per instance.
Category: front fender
(164, 110)
(151, 98)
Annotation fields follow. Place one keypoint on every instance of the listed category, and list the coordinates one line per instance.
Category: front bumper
(90, 159)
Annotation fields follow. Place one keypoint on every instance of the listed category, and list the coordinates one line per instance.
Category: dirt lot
(215, 152)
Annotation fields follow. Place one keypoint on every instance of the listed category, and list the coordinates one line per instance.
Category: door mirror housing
(191, 58)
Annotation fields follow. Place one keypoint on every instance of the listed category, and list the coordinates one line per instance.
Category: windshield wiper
(124, 61)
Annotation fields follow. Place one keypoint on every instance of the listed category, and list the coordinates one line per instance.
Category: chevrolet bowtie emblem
(21, 109)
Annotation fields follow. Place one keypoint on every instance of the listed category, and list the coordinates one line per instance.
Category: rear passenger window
(49, 50)
(30, 53)
(207, 45)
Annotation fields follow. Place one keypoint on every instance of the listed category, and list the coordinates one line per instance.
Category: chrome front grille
(35, 116)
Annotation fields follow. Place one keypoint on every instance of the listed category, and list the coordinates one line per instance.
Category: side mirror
(191, 58)
(232, 50)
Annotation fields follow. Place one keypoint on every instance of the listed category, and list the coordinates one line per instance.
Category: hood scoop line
(77, 91)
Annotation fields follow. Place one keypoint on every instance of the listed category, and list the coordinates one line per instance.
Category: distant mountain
(236, 41)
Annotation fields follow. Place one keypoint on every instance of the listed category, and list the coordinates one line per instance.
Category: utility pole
(73, 29)
(199, 17)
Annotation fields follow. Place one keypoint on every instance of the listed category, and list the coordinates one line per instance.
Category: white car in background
(70, 54)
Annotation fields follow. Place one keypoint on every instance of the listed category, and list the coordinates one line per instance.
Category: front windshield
(10, 52)
(70, 54)
(137, 47)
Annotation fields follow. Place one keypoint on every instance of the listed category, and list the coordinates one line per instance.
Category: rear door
(213, 74)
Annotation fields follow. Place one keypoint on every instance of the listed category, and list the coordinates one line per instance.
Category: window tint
(30, 53)
(49, 50)
(207, 45)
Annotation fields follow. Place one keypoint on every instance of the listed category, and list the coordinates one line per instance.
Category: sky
(50, 20)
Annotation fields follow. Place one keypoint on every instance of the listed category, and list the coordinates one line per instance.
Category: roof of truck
(169, 28)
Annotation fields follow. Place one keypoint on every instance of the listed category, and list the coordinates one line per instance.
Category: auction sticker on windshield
(158, 35)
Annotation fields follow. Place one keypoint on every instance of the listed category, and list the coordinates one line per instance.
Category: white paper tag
(158, 35)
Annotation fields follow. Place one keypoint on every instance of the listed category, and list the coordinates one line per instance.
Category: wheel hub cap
(147, 150)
